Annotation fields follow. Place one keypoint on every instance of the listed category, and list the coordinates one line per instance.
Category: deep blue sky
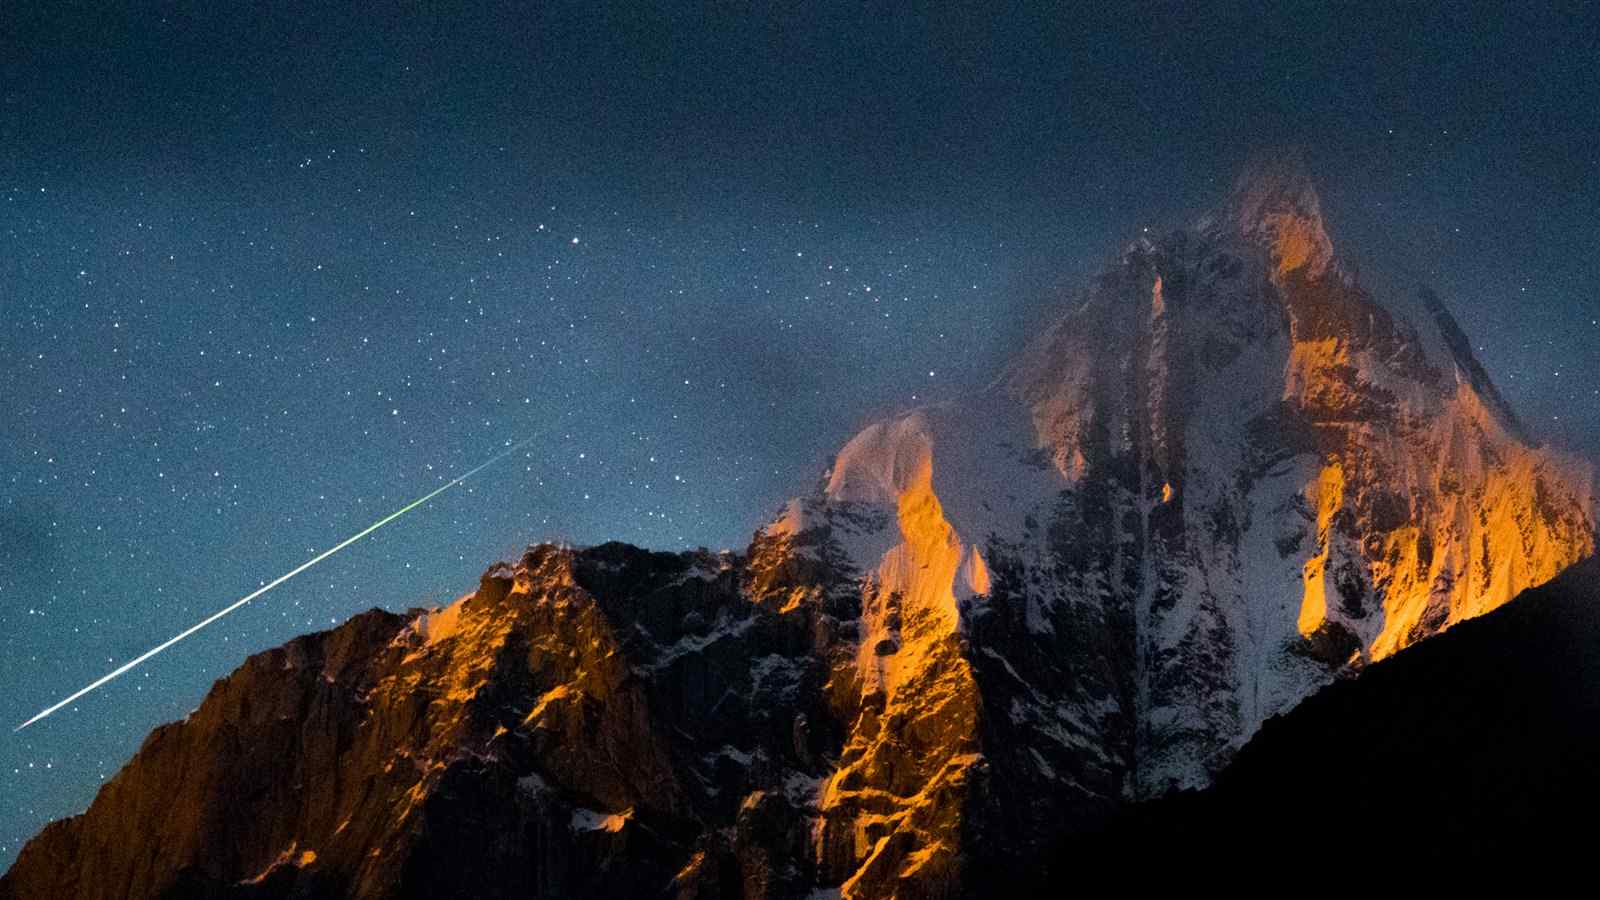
(265, 275)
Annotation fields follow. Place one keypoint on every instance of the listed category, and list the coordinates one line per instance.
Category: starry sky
(268, 272)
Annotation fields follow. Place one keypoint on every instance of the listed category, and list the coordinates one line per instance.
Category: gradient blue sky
(268, 272)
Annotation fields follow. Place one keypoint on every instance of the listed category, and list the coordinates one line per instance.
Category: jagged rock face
(1226, 477)
(607, 722)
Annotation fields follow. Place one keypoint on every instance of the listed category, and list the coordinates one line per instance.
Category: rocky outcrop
(604, 722)
(1227, 476)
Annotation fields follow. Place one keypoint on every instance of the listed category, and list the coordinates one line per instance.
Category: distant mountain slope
(1481, 745)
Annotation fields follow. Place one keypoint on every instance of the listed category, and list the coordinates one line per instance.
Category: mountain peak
(1219, 484)
(1274, 203)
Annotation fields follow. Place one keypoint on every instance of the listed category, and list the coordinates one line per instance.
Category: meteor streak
(133, 663)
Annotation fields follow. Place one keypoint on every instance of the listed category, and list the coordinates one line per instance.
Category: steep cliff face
(1315, 480)
(605, 722)
(1225, 477)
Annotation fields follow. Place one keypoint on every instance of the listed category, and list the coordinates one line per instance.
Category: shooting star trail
(134, 663)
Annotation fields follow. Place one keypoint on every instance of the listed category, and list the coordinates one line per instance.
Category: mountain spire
(1274, 203)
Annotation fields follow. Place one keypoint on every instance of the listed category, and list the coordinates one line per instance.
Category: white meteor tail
(133, 663)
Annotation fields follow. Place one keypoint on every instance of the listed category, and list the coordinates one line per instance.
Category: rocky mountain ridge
(1226, 477)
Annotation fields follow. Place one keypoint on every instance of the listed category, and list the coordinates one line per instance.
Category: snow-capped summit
(1275, 204)
(1226, 475)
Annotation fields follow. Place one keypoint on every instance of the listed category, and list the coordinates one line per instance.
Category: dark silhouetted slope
(1482, 740)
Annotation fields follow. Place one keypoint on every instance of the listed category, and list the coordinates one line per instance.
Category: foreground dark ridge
(1478, 745)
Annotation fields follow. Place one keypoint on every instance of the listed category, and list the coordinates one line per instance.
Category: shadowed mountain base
(1480, 743)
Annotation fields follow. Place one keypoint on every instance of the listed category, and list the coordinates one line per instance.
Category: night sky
(267, 275)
